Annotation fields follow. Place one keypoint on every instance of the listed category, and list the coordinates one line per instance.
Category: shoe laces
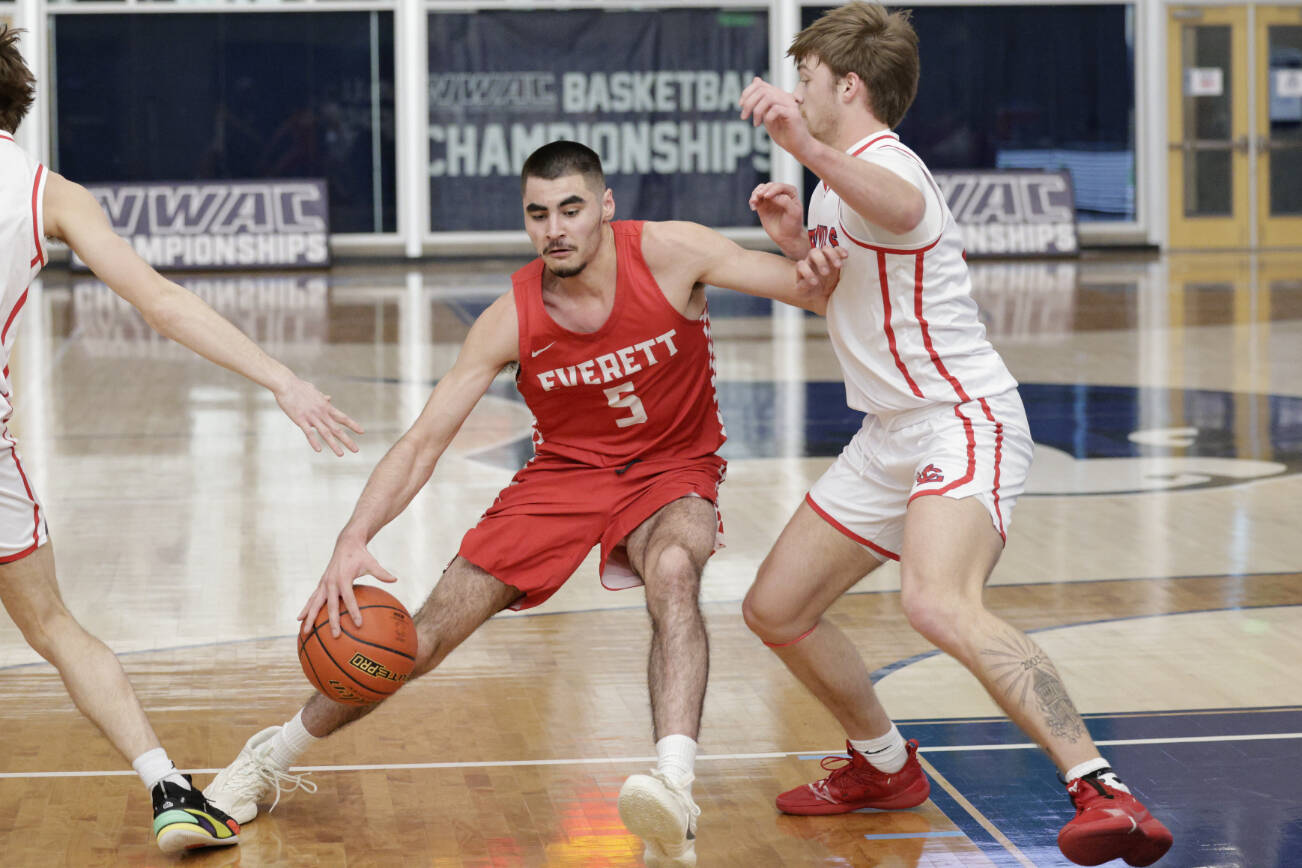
(285, 783)
(845, 766)
(258, 774)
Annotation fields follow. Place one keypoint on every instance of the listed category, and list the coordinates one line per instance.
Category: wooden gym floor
(1157, 557)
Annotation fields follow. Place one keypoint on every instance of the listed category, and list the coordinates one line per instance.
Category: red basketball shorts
(545, 522)
(981, 449)
(22, 517)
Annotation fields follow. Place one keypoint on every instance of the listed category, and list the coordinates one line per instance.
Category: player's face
(564, 218)
(815, 93)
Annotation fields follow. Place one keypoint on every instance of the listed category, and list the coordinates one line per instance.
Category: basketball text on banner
(654, 93)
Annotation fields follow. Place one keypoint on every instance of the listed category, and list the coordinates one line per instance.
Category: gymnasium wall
(418, 114)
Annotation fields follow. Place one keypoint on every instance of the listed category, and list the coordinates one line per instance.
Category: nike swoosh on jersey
(536, 353)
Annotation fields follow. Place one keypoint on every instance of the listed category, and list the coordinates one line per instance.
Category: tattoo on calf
(1021, 670)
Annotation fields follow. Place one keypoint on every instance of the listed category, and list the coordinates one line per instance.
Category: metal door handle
(1190, 145)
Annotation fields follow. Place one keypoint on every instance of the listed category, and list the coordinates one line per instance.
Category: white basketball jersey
(22, 244)
(902, 320)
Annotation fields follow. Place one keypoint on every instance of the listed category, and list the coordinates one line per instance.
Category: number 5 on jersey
(622, 396)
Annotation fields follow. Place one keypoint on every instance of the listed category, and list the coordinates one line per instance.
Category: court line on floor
(984, 822)
(630, 760)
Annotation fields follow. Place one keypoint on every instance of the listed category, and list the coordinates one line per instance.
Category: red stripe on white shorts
(999, 452)
(971, 461)
(36, 507)
(823, 514)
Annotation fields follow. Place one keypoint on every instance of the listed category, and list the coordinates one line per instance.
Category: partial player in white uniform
(931, 478)
(36, 203)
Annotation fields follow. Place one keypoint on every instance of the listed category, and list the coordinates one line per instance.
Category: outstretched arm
(689, 253)
(73, 216)
(491, 344)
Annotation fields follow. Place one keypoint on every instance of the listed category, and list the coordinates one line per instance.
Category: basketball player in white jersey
(35, 204)
(931, 478)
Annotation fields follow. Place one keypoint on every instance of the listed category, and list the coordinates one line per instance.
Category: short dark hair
(559, 158)
(17, 84)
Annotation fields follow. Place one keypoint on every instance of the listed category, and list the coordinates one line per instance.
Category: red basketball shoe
(1110, 823)
(855, 783)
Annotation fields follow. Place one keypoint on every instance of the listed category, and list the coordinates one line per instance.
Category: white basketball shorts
(979, 449)
(22, 517)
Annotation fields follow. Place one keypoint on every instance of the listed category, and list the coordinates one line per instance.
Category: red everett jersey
(641, 386)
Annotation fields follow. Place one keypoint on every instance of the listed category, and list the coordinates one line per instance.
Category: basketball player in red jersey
(931, 478)
(610, 332)
(36, 204)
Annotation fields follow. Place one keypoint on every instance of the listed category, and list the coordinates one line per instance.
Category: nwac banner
(216, 225)
(1012, 212)
(654, 93)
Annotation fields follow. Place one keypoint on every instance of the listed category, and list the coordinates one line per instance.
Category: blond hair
(878, 46)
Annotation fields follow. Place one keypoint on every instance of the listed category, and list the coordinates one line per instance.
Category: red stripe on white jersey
(902, 251)
(36, 222)
(865, 147)
(22, 299)
(886, 323)
(823, 514)
(874, 141)
(999, 452)
(6, 137)
(971, 461)
(926, 333)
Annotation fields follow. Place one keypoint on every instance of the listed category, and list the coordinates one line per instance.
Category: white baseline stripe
(630, 760)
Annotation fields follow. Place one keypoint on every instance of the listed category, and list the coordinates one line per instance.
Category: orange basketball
(366, 663)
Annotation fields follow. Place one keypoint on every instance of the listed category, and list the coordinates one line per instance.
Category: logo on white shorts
(930, 473)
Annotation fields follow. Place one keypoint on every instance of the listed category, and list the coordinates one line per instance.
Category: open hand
(320, 420)
(778, 111)
(781, 215)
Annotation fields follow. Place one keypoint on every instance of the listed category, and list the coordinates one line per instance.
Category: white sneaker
(663, 816)
(250, 779)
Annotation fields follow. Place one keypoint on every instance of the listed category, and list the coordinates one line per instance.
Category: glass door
(1210, 197)
(1279, 125)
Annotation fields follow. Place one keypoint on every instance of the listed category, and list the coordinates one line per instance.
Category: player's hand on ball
(320, 420)
(350, 561)
(818, 274)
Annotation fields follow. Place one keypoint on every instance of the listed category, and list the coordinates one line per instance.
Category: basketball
(367, 663)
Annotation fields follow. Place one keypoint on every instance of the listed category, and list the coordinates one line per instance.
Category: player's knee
(51, 631)
(430, 651)
(773, 624)
(937, 617)
(673, 576)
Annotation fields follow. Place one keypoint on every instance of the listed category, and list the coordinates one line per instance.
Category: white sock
(676, 758)
(887, 753)
(290, 743)
(1094, 765)
(154, 766)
